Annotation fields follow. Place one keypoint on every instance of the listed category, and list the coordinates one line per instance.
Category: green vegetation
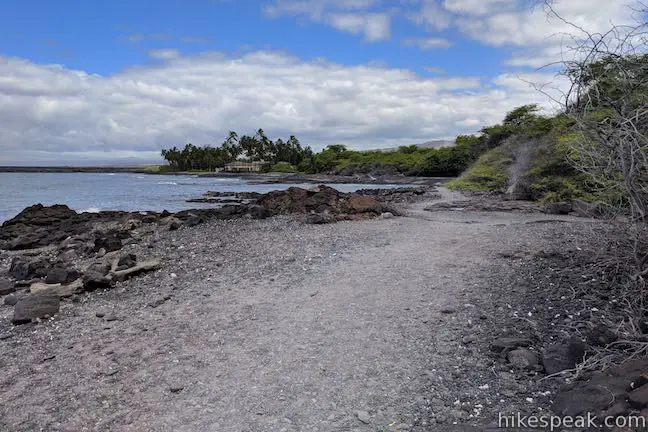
(489, 173)
(283, 167)
(254, 148)
(407, 160)
(592, 152)
(538, 150)
(153, 169)
(290, 156)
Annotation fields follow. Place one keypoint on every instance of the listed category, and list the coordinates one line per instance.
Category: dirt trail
(272, 326)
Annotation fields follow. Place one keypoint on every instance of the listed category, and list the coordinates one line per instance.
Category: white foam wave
(91, 210)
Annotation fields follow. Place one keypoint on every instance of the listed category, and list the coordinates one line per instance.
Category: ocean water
(94, 192)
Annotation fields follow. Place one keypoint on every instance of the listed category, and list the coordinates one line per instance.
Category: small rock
(176, 388)
(35, 306)
(363, 204)
(110, 318)
(320, 218)
(506, 344)
(126, 261)
(559, 208)
(69, 256)
(618, 409)
(93, 280)
(100, 314)
(469, 339)
(132, 224)
(109, 242)
(103, 268)
(386, 215)
(447, 311)
(172, 222)
(523, 358)
(59, 275)
(639, 398)
(11, 300)
(101, 253)
(363, 416)
(600, 336)
(563, 356)
(21, 268)
(6, 287)
(158, 302)
(592, 210)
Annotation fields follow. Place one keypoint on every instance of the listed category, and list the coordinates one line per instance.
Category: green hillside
(529, 159)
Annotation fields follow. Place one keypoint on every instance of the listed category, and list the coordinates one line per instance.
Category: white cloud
(350, 16)
(543, 36)
(315, 8)
(432, 16)
(427, 43)
(541, 57)
(477, 7)
(375, 27)
(534, 26)
(50, 113)
(164, 53)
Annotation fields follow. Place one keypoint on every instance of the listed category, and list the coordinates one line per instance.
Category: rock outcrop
(322, 200)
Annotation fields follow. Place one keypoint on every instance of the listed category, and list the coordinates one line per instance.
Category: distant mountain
(427, 144)
(437, 144)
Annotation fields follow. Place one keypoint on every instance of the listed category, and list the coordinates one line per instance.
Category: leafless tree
(607, 98)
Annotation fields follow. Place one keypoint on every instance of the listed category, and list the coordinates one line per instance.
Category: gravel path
(275, 325)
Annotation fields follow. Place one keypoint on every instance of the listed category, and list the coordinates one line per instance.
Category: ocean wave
(110, 173)
(91, 210)
(167, 183)
(224, 180)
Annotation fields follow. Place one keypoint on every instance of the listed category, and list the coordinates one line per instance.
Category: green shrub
(489, 173)
(283, 167)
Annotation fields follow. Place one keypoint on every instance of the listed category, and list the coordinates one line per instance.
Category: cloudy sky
(114, 81)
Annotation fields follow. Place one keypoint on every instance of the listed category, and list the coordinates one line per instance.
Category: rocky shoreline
(508, 303)
(68, 253)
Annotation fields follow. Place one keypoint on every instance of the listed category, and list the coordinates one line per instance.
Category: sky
(113, 82)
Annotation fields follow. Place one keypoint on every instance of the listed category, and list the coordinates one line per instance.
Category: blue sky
(106, 37)
(114, 81)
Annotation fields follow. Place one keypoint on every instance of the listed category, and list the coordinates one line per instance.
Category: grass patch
(283, 167)
(154, 168)
(489, 173)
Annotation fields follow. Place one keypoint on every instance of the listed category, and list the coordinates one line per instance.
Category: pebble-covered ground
(275, 325)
